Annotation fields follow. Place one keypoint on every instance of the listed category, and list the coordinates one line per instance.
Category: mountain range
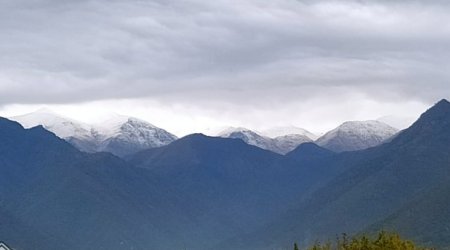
(120, 135)
(401, 185)
(192, 193)
(123, 135)
(281, 144)
(201, 192)
(289, 130)
(349, 136)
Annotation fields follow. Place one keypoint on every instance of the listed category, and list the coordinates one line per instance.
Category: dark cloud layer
(244, 53)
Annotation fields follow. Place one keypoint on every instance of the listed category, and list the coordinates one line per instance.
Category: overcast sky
(187, 65)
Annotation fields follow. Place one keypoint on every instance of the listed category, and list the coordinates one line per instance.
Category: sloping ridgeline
(202, 192)
(239, 187)
(54, 197)
(193, 193)
(401, 185)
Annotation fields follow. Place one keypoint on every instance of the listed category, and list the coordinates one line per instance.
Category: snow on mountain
(356, 135)
(120, 135)
(287, 143)
(62, 126)
(217, 131)
(123, 135)
(248, 136)
(77, 133)
(290, 130)
(281, 144)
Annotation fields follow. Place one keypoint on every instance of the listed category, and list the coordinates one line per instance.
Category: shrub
(383, 241)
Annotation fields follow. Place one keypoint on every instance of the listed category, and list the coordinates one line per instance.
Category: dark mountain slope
(309, 152)
(228, 177)
(425, 219)
(238, 186)
(378, 182)
(200, 191)
(207, 159)
(54, 197)
(192, 193)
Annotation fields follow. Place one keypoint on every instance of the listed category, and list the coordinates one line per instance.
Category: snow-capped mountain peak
(125, 135)
(120, 135)
(62, 126)
(231, 130)
(116, 123)
(288, 130)
(281, 144)
(356, 135)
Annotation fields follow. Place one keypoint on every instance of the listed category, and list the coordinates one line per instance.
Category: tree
(383, 241)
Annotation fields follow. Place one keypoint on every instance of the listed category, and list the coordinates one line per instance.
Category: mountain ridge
(204, 192)
(121, 136)
(281, 144)
(356, 135)
(378, 182)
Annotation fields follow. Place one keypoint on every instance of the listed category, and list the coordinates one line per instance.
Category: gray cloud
(223, 53)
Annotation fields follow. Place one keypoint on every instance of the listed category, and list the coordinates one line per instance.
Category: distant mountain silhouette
(55, 197)
(231, 179)
(203, 192)
(194, 192)
(380, 185)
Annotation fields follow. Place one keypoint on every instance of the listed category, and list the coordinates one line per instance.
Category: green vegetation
(383, 241)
